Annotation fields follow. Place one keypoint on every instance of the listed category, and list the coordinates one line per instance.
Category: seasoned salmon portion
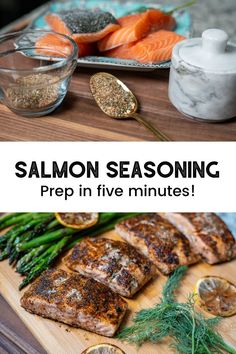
(159, 240)
(207, 234)
(113, 263)
(75, 300)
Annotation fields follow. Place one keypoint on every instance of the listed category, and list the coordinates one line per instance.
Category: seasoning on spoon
(33, 91)
(117, 101)
(112, 96)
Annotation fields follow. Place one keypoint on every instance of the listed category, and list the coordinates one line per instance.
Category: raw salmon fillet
(207, 233)
(53, 45)
(113, 263)
(156, 47)
(84, 26)
(158, 240)
(137, 26)
(76, 301)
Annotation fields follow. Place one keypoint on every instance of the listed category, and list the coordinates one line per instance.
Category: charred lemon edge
(201, 303)
(102, 345)
(74, 226)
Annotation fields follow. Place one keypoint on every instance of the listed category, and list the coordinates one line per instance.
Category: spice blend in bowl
(34, 77)
(21, 95)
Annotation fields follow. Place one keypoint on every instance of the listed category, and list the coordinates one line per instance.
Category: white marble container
(203, 77)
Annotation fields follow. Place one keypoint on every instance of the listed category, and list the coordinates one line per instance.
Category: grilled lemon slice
(103, 349)
(216, 296)
(77, 220)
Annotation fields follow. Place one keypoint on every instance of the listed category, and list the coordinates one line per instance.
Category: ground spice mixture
(112, 97)
(33, 91)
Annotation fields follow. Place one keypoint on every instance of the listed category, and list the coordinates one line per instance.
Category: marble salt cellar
(203, 77)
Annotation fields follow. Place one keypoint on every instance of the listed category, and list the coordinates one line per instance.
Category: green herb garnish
(177, 8)
(190, 332)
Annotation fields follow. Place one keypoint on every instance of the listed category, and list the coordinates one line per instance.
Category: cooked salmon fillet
(113, 263)
(135, 27)
(76, 301)
(207, 234)
(84, 26)
(156, 47)
(159, 240)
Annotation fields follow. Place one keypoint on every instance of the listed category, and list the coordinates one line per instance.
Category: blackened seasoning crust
(86, 21)
(113, 263)
(207, 234)
(76, 301)
(159, 240)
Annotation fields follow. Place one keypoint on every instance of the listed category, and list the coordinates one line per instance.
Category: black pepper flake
(86, 21)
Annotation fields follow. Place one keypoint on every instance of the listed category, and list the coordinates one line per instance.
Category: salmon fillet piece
(53, 45)
(207, 234)
(156, 47)
(113, 263)
(84, 26)
(75, 300)
(159, 240)
(135, 27)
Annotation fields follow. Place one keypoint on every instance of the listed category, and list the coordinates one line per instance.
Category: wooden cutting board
(61, 339)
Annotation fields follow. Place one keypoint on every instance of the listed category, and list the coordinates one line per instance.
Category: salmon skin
(76, 301)
(84, 26)
(135, 27)
(156, 47)
(54, 45)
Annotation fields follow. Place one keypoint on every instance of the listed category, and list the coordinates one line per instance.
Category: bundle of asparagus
(35, 240)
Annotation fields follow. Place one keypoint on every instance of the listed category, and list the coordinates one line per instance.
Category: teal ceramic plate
(118, 9)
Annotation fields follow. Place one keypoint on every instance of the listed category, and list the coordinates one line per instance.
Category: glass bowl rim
(62, 62)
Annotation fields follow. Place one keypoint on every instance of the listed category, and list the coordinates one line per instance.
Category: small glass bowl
(35, 70)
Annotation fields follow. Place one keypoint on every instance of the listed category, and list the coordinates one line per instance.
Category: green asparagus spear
(58, 249)
(53, 224)
(34, 274)
(63, 232)
(39, 228)
(37, 260)
(14, 255)
(17, 231)
(22, 218)
(46, 238)
(28, 257)
(7, 217)
(22, 229)
(38, 269)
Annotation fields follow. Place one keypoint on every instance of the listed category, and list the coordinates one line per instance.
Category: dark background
(10, 10)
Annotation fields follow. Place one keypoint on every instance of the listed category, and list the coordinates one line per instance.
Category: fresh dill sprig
(142, 9)
(189, 330)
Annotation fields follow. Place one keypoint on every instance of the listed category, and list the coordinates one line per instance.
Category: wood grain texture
(79, 118)
(14, 335)
(56, 338)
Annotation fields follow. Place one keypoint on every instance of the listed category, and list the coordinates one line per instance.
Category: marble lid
(211, 52)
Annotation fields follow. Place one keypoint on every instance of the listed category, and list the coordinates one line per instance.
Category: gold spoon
(117, 101)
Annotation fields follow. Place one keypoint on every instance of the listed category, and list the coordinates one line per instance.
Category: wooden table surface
(79, 118)
(15, 338)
